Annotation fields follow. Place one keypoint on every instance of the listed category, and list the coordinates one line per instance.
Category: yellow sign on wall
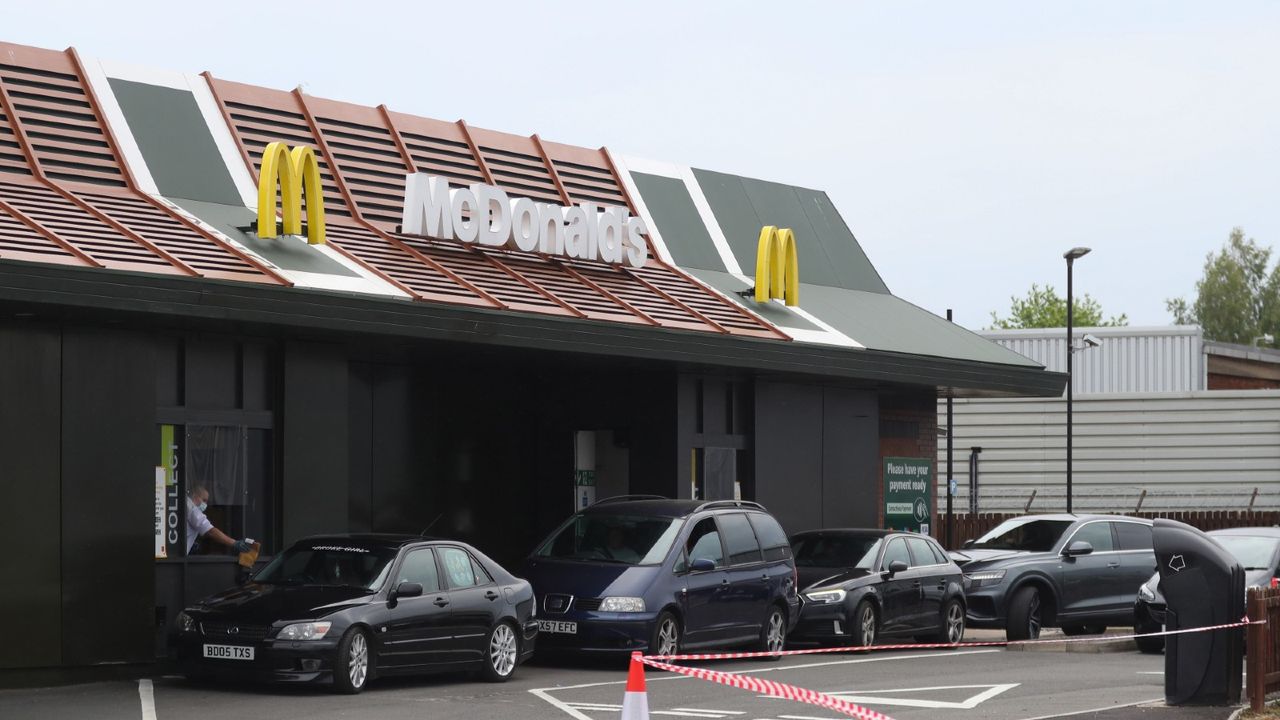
(297, 174)
(777, 266)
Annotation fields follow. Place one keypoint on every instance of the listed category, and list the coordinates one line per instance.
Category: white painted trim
(222, 137)
(96, 74)
(621, 164)
(709, 220)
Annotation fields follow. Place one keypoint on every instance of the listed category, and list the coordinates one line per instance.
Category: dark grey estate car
(1077, 572)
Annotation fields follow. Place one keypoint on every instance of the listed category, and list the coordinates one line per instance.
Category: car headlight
(622, 604)
(1144, 593)
(825, 597)
(984, 577)
(304, 631)
(186, 623)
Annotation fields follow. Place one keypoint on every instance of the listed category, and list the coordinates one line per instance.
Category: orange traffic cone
(635, 704)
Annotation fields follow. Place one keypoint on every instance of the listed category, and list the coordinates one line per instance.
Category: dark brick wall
(1218, 381)
(908, 428)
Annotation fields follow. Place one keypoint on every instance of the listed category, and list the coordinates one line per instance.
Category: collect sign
(908, 501)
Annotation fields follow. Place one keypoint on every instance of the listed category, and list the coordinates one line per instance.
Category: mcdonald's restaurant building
(339, 318)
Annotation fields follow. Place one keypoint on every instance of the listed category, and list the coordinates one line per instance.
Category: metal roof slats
(185, 244)
(69, 221)
(588, 300)
(404, 269)
(53, 99)
(20, 241)
(12, 160)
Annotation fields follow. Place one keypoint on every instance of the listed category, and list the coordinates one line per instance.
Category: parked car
(1077, 572)
(1256, 548)
(349, 608)
(860, 585)
(662, 576)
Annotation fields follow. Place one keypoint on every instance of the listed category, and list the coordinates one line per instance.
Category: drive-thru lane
(988, 683)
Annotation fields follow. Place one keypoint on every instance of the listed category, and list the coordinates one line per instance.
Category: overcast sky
(968, 145)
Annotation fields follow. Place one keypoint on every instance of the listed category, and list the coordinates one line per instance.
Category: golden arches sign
(777, 266)
(297, 173)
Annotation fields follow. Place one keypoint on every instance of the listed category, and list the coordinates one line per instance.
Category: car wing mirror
(702, 564)
(895, 567)
(405, 589)
(967, 543)
(1078, 548)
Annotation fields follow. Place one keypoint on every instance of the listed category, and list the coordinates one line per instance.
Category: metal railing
(1262, 656)
(1115, 499)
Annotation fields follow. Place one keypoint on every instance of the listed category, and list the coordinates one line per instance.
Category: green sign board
(908, 493)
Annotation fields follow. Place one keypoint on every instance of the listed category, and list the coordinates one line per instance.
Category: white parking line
(569, 709)
(147, 695)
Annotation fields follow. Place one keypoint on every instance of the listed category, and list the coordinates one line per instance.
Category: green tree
(1237, 299)
(1043, 308)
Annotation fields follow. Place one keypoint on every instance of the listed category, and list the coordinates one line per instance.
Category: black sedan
(348, 608)
(860, 585)
(1256, 548)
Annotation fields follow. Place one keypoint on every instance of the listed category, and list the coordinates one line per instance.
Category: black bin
(1203, 585)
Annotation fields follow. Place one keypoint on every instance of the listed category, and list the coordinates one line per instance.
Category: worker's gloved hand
(241, 546)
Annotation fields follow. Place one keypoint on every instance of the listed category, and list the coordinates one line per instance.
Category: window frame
(404, 559)
(1110, 526)
(724, 539)
(447, 582)
(884, 552)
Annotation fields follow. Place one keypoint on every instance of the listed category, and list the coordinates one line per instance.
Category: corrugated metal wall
(1129, 360)
(1203, 450)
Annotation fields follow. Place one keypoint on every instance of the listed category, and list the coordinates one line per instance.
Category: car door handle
(724, 583)
(764, 578)
(491, 595)
(1113, 564)
(441, 602)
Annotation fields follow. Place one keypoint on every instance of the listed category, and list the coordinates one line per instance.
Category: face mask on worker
(203, 506)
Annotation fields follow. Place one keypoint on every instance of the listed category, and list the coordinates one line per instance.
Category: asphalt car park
(978, 682)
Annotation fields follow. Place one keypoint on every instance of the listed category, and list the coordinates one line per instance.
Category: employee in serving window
(199, 526)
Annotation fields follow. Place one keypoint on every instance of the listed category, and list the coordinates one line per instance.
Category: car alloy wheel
(502, 650)
(358, 661)
(864, 627)
(955, 622)
(776, 637)
(668, 636)
(1033, 617)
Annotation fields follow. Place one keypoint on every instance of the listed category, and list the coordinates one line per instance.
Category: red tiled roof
(66, 196)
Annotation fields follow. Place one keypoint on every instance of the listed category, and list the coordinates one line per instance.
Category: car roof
(1252, 531)
(860, 532)
(1076, 517)
(390, 541)
(662, 507)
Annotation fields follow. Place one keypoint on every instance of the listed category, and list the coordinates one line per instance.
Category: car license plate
(228, 652)
(558, 626)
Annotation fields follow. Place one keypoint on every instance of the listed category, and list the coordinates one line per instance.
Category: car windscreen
(836, 551)
(1253, 552)
(606, 537)
(1031, 535)
(329, 563)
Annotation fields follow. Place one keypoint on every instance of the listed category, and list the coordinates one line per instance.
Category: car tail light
(1275, 582)
(795, 580)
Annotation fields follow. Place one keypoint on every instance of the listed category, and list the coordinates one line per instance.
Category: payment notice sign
(908, 493)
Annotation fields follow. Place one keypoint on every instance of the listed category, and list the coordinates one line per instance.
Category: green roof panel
(678, 221)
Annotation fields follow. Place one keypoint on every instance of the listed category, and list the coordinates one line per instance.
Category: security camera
(1091, 341)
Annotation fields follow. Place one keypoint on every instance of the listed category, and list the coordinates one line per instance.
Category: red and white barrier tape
(931, 646)
(772, 689)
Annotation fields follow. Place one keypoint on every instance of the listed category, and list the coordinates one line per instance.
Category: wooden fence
(1262, 659)
(972, 526)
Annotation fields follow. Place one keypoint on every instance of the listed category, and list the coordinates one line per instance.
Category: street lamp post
(1071, 256)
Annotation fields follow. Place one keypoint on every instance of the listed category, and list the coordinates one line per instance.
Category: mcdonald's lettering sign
(777, 266)
(297, 174)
